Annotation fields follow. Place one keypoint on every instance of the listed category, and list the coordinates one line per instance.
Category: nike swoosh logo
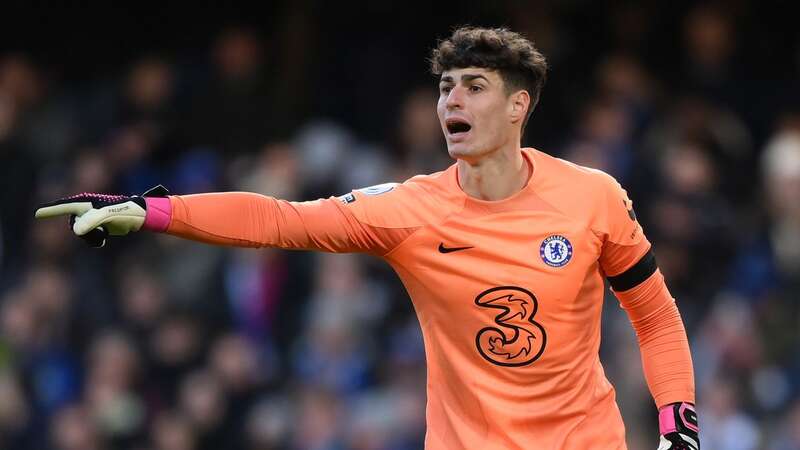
(443, 249)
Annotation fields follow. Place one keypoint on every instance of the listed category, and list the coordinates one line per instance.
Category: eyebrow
(471, 77)
(465, 77)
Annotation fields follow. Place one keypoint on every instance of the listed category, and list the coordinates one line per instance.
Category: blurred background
(154, 343)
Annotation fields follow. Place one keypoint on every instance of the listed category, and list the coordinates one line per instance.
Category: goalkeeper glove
(94, 217)
(677, 423)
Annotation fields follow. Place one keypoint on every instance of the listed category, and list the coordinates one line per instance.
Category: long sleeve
(663, 344)
(253, 220)
(630, 265)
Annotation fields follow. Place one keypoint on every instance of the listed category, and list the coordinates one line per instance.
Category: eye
(445, 89)
(475, 88)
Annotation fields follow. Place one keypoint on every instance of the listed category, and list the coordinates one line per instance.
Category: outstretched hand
(94, 217)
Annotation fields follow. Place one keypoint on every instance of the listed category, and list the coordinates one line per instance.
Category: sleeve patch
(629, 206)
(378, 189)
(347, 198)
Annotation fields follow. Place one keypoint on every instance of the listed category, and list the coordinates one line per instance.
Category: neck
(496, 175)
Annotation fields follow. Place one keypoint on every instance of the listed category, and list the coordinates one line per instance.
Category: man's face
(474, 112)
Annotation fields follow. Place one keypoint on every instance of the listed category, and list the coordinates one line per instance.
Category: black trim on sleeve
(636, 274)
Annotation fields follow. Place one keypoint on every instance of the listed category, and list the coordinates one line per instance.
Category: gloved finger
(62, 209)
(95, 238)
(88, 221)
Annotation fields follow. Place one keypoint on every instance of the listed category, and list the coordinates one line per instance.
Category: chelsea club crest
(556, 251)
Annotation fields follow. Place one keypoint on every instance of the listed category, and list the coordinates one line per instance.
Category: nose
(455, 99)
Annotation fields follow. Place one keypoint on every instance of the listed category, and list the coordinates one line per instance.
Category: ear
(520, 101)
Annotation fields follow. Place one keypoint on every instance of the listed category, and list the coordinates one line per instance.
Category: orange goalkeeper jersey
(508, 293)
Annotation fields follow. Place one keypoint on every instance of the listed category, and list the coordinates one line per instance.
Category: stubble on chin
(468, 154)
(458, 153)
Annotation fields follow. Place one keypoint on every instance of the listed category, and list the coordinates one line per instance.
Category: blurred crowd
(154, 343)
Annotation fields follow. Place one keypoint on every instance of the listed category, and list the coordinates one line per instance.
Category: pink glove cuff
(159, 214)
(667, 417)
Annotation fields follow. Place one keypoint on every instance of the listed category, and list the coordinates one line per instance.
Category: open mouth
(457, 126)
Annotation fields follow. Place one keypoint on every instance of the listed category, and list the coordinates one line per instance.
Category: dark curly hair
(513, 56)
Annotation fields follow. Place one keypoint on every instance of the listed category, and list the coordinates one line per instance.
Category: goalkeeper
(504, 255)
